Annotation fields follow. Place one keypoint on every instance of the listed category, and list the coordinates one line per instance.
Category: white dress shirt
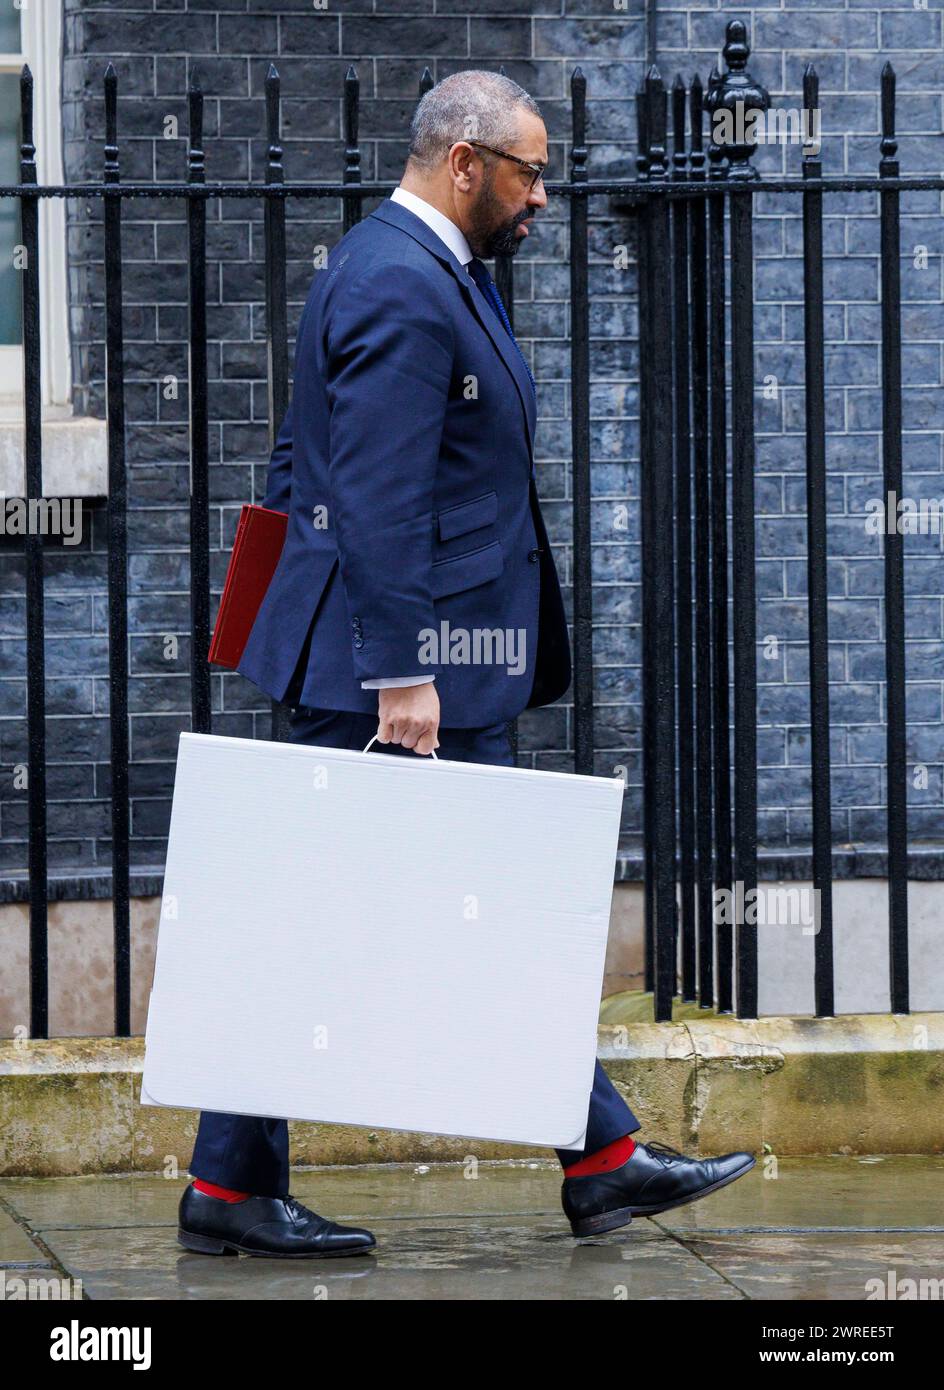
(452, 238)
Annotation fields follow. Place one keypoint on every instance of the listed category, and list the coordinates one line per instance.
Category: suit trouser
(250, 1153)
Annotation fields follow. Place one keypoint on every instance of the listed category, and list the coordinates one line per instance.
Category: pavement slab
(803, 1228)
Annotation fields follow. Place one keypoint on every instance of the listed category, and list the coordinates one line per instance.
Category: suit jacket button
(358, 641)
(533, 555)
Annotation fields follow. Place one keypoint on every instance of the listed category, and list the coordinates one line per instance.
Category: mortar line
(37, 1240)
(680, 1240)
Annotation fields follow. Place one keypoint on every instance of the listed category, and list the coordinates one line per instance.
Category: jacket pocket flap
(468, 516)
(466, 571)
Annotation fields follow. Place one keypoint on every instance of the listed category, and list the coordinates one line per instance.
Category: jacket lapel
(399, 216)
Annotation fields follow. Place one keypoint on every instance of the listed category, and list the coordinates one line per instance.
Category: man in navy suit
(416, 597)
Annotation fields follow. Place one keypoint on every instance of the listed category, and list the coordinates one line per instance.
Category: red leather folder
(260, 536)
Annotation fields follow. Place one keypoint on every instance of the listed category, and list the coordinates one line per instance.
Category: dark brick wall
(155, 48)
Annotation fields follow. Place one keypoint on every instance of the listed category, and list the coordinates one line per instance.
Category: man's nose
(537, 198)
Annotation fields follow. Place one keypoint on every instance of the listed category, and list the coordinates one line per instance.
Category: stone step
(858, 1083)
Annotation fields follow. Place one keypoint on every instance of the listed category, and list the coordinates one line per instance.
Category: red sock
(227, 1194)
(613, 1156)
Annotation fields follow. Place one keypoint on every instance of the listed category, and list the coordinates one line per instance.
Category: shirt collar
(447, 231)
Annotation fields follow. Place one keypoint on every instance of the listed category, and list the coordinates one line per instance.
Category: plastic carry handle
(419, 755)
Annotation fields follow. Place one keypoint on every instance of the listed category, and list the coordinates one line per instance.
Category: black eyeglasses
(536, 169)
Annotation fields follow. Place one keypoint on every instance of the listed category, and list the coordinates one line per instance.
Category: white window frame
(41, 39)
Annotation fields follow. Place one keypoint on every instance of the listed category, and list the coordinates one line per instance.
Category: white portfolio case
(371, 939)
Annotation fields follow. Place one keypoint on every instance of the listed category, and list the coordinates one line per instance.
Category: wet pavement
(804, 1228)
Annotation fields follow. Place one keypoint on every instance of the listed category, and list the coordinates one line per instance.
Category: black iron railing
(682, 288)
(700, 825)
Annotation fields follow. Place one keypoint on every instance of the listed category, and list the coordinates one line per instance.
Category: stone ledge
(779, 864)
(925, 864)
(857, 1084)
(75, 457)
(83, 885)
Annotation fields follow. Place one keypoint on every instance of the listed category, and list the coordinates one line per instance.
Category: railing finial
(889, 146)
(27, 148)
(732, 102)
(656, 104)
(642, 135)
(579, 152)
(696, 119)
(679, 151)
(111, 124)
(273, 89)
(352, 149)
(196, 163)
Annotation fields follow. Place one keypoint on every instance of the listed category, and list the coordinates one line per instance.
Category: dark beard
(501, 241)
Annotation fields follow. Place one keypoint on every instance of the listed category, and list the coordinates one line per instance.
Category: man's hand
(409, 715)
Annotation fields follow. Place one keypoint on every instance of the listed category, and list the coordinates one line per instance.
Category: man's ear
(461, 166)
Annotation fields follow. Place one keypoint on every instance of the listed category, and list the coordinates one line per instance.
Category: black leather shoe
(654, 1178)
(279, 1227)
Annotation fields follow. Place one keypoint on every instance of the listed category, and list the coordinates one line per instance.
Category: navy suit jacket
(404, 463)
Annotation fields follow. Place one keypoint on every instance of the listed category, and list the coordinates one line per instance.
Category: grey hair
(470, 105)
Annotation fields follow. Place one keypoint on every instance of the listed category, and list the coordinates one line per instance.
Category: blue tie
(479, 273)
